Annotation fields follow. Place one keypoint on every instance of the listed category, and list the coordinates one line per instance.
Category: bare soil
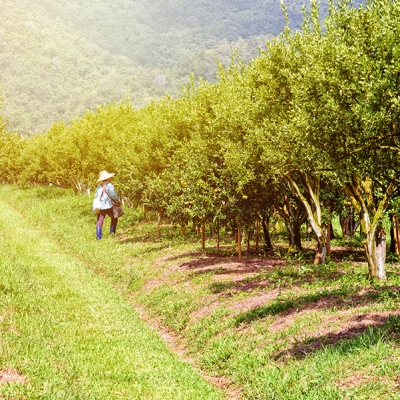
(11, 375)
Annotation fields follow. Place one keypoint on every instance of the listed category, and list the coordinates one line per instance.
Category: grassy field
(66, 333)
(263, 328)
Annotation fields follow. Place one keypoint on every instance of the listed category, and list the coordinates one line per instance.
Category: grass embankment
(65, 332)
(266, 328)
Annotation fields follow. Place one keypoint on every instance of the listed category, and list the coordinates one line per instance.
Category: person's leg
(99, 225)
(114, 222)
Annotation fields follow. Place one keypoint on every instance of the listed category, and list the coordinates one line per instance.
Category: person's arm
(111, 192)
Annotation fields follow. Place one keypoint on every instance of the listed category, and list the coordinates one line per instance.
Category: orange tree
(71, 156)
(347, 110)
(220, 179)
(10, 147)
(286, 151)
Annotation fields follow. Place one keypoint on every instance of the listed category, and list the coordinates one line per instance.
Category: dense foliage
(306, 123)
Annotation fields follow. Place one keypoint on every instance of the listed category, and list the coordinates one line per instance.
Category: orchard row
(308, 129)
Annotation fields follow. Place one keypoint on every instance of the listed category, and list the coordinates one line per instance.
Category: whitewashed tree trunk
(374, 238)
(314, 213)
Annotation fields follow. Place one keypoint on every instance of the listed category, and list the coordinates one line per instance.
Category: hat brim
(105, 177)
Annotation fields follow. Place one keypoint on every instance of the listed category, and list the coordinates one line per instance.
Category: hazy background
(59, 58)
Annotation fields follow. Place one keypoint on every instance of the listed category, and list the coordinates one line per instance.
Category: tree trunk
(159, 225)
(293, 217)
(267, 238)
(203, 236)
(314, 213)
(328, 239)
(348, 224)
(195, 225)
(345, 225)
(292, 238)
(239, 239)
(395, 234)
(381, 254)
(320, 255)
(321, 250)
(217, 227)
(361, 196)
(257, 232)
(375, 250)
(297, 238)
(331, 231)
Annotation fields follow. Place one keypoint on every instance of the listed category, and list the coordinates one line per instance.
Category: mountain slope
(50, 74)
(158, 33)
(60, 58)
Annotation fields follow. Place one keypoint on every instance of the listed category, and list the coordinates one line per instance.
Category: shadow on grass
(363, 331)
(259, 274)
(228, 265)
(339, 298)
(352, 253)
(275, 277)
(194, 254)
(151, 248)
(280, 306)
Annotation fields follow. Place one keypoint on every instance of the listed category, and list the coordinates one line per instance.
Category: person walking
(107, 195)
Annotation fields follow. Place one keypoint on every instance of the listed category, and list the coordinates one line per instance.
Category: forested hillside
(59, 58)
(159, 33)
(49, 74)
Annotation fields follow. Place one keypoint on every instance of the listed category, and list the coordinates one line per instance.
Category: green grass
(72, 299)
(64, 328)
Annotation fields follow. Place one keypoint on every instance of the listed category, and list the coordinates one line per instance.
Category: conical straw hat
(104, 175)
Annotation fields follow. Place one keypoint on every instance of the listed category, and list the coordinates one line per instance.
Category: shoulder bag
(97, 204)
(117, 209)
